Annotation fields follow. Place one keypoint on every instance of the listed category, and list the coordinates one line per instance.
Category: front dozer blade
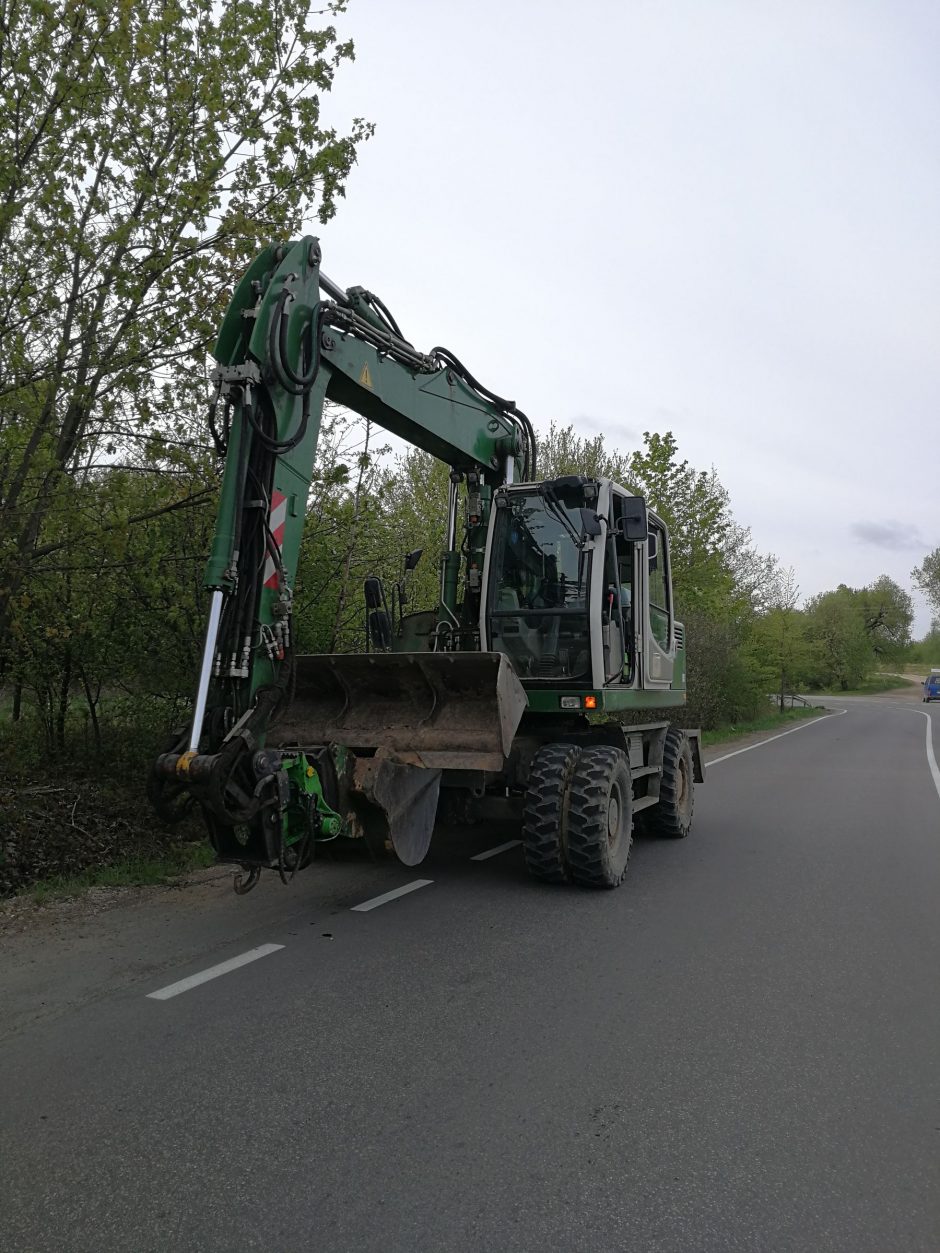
(442, 711)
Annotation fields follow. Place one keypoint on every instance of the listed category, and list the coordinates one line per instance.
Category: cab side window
(660, 608)
(624, 553)
(625, 574)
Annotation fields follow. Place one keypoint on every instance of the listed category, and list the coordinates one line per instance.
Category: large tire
(600, 817)
(544, 816)
(672, 817)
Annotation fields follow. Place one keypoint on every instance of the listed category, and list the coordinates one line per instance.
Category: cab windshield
(538, 592)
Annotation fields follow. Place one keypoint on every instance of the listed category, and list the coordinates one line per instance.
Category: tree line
(104, 630)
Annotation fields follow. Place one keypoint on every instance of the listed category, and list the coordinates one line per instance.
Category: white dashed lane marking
(376, 901)
(494, 852)
(213, 972)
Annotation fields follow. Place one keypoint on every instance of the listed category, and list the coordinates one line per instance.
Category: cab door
(659, 655)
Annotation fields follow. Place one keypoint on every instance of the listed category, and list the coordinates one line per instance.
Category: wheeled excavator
(554, 628)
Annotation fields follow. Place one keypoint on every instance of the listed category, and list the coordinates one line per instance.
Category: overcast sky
(721, 219)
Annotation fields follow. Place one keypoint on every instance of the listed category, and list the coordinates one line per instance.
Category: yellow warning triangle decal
(365, 378)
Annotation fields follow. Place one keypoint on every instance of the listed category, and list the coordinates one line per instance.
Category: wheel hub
(613, 818)
(683, 782)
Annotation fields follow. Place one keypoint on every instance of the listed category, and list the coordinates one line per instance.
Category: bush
(66, 813)
(722, 687)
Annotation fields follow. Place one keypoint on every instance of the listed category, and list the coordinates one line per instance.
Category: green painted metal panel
(436, 412)
(609, 700)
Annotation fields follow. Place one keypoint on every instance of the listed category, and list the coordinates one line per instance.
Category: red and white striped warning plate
(276, 521)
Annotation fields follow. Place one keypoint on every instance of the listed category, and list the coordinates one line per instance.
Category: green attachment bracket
(306, 789)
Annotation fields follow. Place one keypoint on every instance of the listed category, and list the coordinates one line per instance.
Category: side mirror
(633, 523)
(378, 621)
(374, 592)
(380, 630)
(413, 558)
(590, 522)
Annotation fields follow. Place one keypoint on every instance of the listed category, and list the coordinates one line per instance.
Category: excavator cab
(577, 592)
(539, 576)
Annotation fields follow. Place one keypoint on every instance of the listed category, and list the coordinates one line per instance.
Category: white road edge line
(494, 852)
(802, 727)
(376, 901)
(193, 981)
(931, 759)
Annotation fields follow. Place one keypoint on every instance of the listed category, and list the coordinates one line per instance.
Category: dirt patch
(76, 824)
(21, 914)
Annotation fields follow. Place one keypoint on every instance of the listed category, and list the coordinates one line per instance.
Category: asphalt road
(739, 1049)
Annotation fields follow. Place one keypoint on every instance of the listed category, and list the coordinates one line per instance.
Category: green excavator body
(555, 605)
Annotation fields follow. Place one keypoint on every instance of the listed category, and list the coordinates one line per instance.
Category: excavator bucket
(421, 713)
(440, 711)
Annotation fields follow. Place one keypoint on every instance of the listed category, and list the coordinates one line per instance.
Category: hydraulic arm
(291, 340)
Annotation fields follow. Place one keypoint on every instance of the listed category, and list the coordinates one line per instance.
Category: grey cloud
(892, 535)
(616, 432)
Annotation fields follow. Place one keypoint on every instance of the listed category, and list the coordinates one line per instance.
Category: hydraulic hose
(445, 357)
(385, 314)
(279, 447)
(286, 376)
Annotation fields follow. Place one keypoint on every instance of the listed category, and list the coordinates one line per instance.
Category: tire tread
(588, 849)
(544, 813)
(664, 819)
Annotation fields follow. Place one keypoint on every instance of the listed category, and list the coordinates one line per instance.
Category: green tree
(563, 451)
(779, 641)
(888, 612)
(720, 580)
(344, 533)
(927, 577)
(836, 627)
(147, 149)
(926, 652)
(416, 517)
(695, 508)
(114, 611)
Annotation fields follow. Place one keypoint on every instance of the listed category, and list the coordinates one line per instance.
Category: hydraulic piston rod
(333, 290)
(205, 673)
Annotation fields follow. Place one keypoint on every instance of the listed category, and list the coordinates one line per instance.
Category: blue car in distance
(932, 685)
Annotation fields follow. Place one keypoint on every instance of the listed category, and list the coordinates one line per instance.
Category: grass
(131, 872)
(769, 722)
(877, 683)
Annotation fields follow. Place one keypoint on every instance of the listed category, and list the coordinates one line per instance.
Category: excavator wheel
(545, 812)
(600, 817)
(672, 817)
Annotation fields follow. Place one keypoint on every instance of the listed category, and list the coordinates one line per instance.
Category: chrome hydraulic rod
(333, 290)
(451, 543)
(205, 674)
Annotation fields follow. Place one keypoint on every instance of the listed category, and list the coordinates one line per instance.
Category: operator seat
(508, 600)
